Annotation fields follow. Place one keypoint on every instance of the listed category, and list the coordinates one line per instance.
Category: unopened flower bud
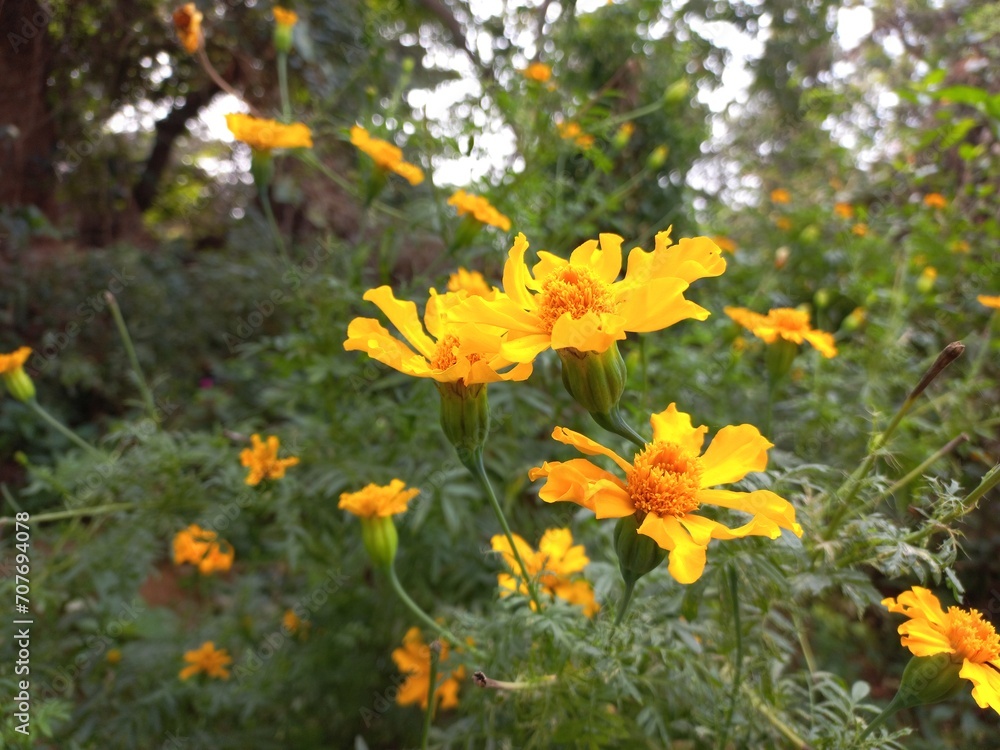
(465, 417)
(596, 380)
(381, 539)
(637, 554)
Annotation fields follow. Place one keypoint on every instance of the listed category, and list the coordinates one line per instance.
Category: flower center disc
(973, 638)
(790, 320)
(446, 353)
(665, 479)
(575, 290)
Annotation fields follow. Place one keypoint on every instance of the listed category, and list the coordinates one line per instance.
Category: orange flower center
(575, 290)
(665, 480)
(446, 353)
(789, 320)
(973, 638)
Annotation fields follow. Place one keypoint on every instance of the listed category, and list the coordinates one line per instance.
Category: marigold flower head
(284, 17)
(963, 634)
(783, 323)
(580, 303)
(294, 624)
(375, 501)
(668, 481)
(14, 361)
(414, 660)
(464, 282)
(113, 656)
(187, 24)
(479, 208)
(264, 135)
(571, 131)
(960, 246)
(208, 659)
(539, 72)
(386, 156)
(18, 382)
(452, 353)
(935, 200)
(927, 278)
(859, 230)
(724, 244)
(783, 223)
(555, 563)
(844, 210)
(780, 195)
(989, 301)
(262, 460)
(201, 547)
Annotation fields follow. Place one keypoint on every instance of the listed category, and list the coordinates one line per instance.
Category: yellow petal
(986, 680)
(590, 333)
(547, 264)
(697, 258)
(403, 315)
(560, 555)
(656, 304)
(610, 499)
(369, 336)
(672, 426)
(587, 446)
(734, 452)
(917, 602)
(515, 275)
(759, 503)
(524, 349)
(823, 342)
(606, 262)
(924, 639)
(687, 559)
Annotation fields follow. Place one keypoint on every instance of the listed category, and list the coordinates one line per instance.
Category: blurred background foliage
(113, 176)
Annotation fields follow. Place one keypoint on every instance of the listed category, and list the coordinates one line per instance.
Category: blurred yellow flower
(294, 624)
(378, 501)
(780, 195)
(571, 131)
(960, 246)
(386, 156)
(539, 72)
(860, 230)
(554, 563)
(580, 303)
(935, 200)
(927, 278)
(844, 210)
(207, 659)
(14, 361)
(963, 634)
(989, 301)
(786, 323)
(724, 244)
(783, 223)
(262, 460)
(470, 283)
(414, 660)
(263, 135)
(284, 17)
(668, 481)
(202, 547)
(452, 352)
(187, 24)
(479, 208)
(113, 656)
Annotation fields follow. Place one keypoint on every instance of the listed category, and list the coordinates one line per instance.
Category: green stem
(133, 359)
(734, 594)
(614, 422)
(768, 713)
(623, 607)
(59, 515)
(286, 106)
(60, 427)
(807, 651)
(919, 470)
(279, 241)
(893, 707)
(988, 482)
(429, 714)
(478, 469)
(425, 618)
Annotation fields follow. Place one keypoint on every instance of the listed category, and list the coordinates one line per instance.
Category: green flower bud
(677, 91)
(637, 553)
(928, 679)
(658, 157)
(261, 167)
(596, 380)
(381, 539)
(465, 417)
(19, 384)
(283, 38)
(780, 355)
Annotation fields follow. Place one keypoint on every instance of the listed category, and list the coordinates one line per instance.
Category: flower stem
(425, 618)
(919, 470)
(893, 707)
(133, 359)
(623, 606)
(60, 427)
(220, 81)
(265, 200)
(614, 422)
(286, 106)
(734, 594)
(59, 515)
(429, 714)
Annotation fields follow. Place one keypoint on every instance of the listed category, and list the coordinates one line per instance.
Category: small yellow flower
(667, 481)
(725, 244)
(625, 132)
(294, 624)
(580, 303)
(207, 659)
(13, 375)
(113, 656)
(263, 135)
(935, 200)
(187, 24)
(780, 195)
(571, 131)
(783, 223)
(375, 501)
(262, 460)
(860, 230)
(10, 363)
(479, 208)
(960, 246)
(963, 634)
(989, 301)
(927, 278)
(386, 156)
(785, 323)
(284, 17)
(414, 660)
(539, 72)
(556, 562)
(844, 210)
(470, 283)
(202, 547)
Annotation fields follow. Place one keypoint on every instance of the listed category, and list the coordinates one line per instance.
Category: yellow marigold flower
(14, 361)
(844, 210)
(780, 195)
(539, 72)
(554, 563)
(963, 634)
(927, 278)
(785, 323)
(187, 24)
(571, 131)
(452, 353)
(386, 156)
(668, 481)
(12, 373)
(960, 246)
(263, 135)
(262, 460)
(294, 624)
(989, 301)
(579, 303)
(479, 208)
(201, 547)
(724, 244)
(935, 200)
(113, 656)
(470, 283)
(414, 660)
(860, 229)
(783, 223)
(375, 501)
(284, 17)
(207, 659)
